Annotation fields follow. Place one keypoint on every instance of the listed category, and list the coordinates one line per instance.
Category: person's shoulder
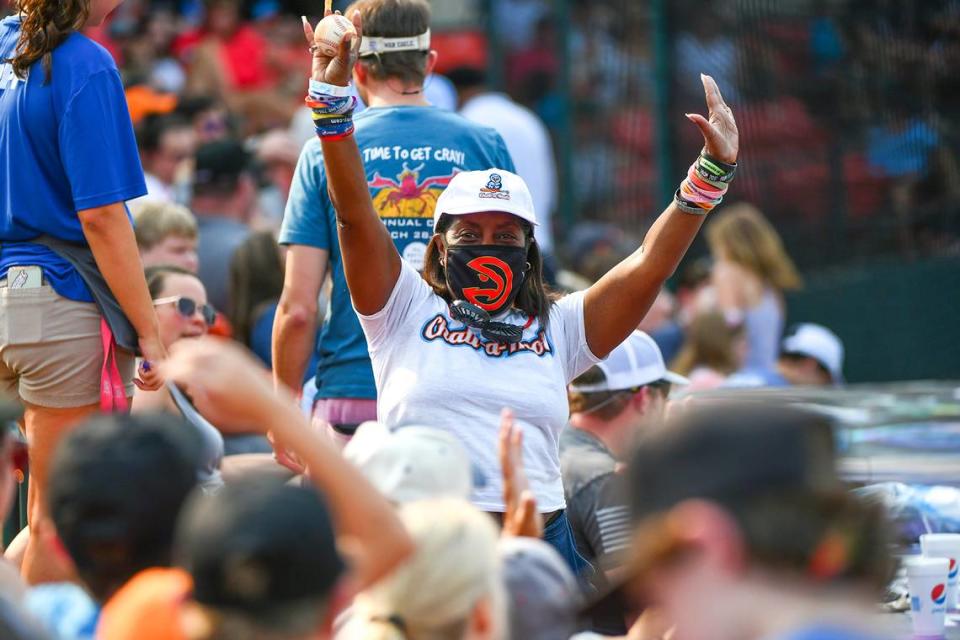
(565, 305)
(581, 461)
(480, 131)
(454, 123)
(81, 56)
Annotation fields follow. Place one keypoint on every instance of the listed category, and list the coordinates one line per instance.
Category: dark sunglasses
(188, 306)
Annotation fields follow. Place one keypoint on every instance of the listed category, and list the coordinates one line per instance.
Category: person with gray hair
(450, 589)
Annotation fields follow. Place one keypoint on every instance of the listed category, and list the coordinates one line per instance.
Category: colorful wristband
(318, 88)
(706, 183)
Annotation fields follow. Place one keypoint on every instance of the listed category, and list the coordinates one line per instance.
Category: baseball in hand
(329, 34)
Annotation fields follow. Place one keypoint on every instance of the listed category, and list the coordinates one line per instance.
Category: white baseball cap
(817, 342)
(411, 463)
(636, 362)
(490, 190)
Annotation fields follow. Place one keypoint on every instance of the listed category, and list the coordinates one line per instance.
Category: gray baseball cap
(544, 596)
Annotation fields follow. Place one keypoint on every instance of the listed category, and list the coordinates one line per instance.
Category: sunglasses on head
(188, 306)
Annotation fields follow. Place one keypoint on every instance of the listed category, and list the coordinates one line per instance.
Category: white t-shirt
(433, 371)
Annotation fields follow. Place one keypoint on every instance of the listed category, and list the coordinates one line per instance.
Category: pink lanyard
(113, 393)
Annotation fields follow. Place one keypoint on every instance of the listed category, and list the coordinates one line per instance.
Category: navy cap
(258, 546)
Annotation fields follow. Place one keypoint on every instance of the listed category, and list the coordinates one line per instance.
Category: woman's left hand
(224, 381)
(721, 140)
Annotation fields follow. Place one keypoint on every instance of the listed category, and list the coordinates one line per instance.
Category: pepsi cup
(945, 545)
(927, 578)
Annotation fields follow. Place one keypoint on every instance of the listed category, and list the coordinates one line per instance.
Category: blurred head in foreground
(744, 529)
(450, 590)
(263, 560)
(117, 484)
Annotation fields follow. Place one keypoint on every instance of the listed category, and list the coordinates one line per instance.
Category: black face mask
(487, 276)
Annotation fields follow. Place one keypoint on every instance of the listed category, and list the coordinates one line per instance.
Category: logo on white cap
(494, 188)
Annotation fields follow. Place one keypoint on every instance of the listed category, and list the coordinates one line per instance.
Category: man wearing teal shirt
(410, 150)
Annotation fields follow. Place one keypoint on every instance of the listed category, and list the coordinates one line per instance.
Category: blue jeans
(559, 535)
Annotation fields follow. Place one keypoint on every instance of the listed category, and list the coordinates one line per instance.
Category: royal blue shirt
(65, 145)
(410, 154)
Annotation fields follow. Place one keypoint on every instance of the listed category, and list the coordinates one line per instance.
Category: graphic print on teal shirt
(410, 154)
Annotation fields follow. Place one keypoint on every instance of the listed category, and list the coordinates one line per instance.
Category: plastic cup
(945, 545)
(927, 578)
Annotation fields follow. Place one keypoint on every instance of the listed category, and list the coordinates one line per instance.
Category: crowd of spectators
(176, 520)
(847, 108)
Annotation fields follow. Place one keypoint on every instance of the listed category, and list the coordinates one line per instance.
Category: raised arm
(615, 304)
(370, 259)
(227, 385)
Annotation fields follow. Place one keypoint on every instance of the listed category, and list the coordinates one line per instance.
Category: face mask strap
(477, 318)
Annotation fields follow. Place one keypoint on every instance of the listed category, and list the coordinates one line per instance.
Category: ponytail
(45, 25)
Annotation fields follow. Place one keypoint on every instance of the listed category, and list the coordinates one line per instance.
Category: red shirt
(243, 55)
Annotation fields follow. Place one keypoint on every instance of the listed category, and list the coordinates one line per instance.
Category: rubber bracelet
(334, 121)
(318, 88)
(688, 207)
(338, 136)
(725, 167)
(327, 120)
(714, 171)
(331, 105)
(703, 186)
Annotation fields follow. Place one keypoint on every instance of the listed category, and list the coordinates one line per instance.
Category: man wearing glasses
(610, 404)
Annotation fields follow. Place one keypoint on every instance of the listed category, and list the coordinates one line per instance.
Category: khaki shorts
(51, 354)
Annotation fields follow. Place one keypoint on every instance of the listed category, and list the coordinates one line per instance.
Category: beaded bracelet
(705, 185)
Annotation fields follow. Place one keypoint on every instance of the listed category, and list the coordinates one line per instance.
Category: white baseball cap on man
(817, 342)
(635, 363)
(489, 190)
(412, 463)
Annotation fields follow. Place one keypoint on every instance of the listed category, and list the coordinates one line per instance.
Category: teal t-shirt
(410, 155)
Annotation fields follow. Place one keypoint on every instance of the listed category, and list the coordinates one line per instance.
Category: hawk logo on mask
(488, 276)
(493, 271)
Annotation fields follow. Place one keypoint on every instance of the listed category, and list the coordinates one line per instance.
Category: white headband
(372, 45)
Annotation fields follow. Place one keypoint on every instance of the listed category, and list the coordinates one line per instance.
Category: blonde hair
(710, 343)
(744, 236)
(155, 221)
(432, 596)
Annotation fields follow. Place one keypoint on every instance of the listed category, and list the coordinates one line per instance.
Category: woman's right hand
(336, 70)
(148, 374)
(225, 383)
